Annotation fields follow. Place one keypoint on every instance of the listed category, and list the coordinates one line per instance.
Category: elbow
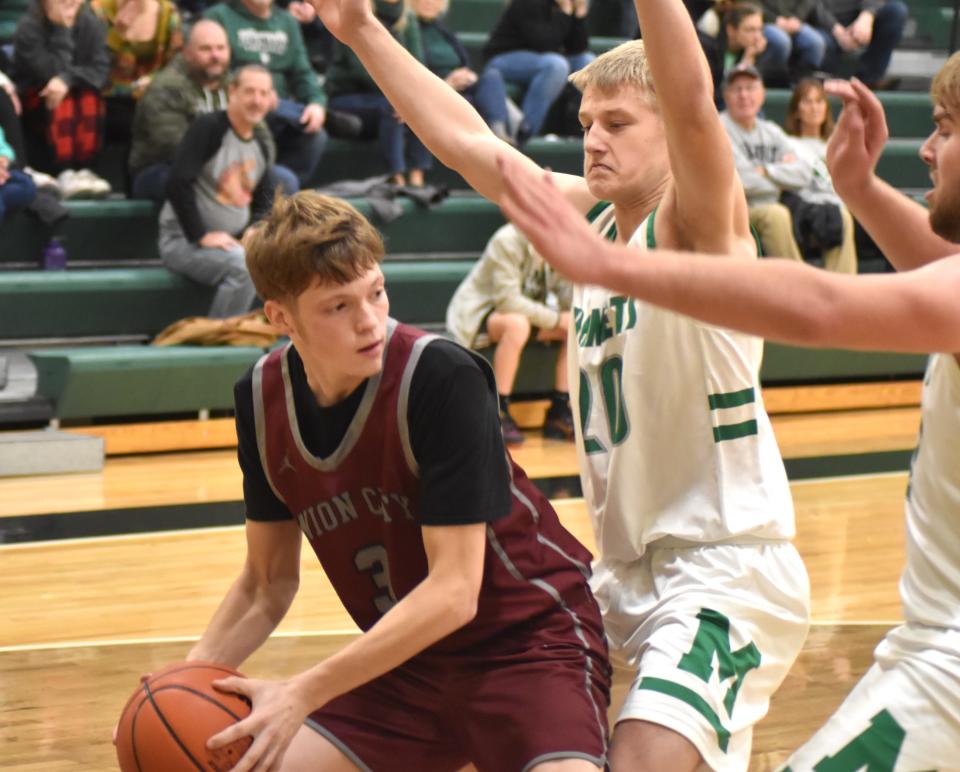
(462, 603)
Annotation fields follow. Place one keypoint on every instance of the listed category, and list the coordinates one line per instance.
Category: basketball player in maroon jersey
(482, 647)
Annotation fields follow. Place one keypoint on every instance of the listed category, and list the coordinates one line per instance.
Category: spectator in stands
(142, 37)
(353, 91)
(261, 34)
(446, 57)
(795, 45)
(821, 221)
(740, 40)
(874, 25)
(510, 293)
(60, 63)
(17, 190)
(217, 187)
(765, 160)
(536, 44)
(194, 82)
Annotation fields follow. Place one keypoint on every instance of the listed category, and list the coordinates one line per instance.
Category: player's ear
(279, 316)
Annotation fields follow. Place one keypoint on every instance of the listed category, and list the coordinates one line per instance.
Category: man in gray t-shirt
(765, 161)
(217, 186)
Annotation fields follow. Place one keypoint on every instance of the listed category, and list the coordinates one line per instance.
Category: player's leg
(904, 714)
(642, 745)
(310, 751)
(708, 648)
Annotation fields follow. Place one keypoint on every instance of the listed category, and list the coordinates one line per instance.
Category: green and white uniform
(701, 589)
(904, 714)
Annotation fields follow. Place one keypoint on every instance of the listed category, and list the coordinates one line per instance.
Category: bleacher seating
(116, 292)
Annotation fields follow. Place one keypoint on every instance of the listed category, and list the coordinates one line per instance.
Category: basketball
(167, 721)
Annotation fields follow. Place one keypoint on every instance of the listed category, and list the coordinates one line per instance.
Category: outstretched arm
(705, 183)
(451, 129)
(776, 299)
(899, 225)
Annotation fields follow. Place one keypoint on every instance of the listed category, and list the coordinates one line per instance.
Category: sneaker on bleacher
(82, 184)
(43, 181)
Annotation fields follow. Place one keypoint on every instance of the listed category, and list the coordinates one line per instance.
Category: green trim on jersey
(692, 699)
(651, 239)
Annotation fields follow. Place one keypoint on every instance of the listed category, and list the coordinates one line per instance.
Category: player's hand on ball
(279, 710)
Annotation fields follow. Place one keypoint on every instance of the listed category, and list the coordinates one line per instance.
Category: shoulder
(445, 363)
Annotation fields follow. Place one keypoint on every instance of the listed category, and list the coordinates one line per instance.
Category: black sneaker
(511, 432)
(558, 424)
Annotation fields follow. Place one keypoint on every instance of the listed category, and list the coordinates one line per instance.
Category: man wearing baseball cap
(764, 159)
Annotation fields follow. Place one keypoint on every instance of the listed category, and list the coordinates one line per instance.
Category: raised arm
(899, 225)
(775, 299)
(445, 122)
(704, 178)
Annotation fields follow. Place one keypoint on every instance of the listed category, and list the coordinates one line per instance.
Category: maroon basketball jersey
(359, 509)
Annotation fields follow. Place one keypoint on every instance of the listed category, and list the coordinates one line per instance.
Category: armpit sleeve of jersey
(455, 434)
(259, 501)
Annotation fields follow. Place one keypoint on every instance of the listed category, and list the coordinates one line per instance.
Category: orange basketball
(169, 718)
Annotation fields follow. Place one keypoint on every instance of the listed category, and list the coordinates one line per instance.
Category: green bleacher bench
(908, 112)
(104, 381)
(899, 165)
(110, 302)
(121, 304)
(112, 232)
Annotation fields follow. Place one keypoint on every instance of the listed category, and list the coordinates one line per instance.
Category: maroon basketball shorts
(503, 713)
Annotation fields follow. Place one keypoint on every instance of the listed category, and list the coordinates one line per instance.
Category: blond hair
(308, 236)
(625, 65)
(945, 88)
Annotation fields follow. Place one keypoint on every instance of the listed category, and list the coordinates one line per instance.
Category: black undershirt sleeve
(454, 424)
(258, 497)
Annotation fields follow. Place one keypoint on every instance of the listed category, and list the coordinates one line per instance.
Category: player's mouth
(374, 349)
(600, 168)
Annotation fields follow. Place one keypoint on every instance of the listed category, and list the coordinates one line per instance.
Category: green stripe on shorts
(734, 431)
(692, 699)
(731, 399)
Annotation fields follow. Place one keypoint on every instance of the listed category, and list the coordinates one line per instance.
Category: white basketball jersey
(672, 437)
(930, 586)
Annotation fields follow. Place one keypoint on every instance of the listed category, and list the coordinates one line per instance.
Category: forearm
(244, 620)
(793, 175)
(432, 611)
(789, 302)
(899, 225)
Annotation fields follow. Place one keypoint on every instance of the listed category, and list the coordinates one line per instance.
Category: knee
(778, 41)
(554, 66)
(893, 12)
(516, 329)
(770, 216)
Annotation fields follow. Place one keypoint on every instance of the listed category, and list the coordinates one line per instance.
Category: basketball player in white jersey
(904, 714)
(703, 593)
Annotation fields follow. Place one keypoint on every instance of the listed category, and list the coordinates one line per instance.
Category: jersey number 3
(612, 403)
(373, 561)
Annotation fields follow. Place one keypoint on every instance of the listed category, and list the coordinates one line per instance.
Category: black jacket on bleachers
(537, 25)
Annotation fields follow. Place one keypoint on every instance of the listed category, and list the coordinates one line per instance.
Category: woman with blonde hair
(809, 123)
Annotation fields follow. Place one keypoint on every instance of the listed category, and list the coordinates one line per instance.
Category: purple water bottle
(54, 256)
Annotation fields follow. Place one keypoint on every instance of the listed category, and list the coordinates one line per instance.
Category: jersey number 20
(613, 404)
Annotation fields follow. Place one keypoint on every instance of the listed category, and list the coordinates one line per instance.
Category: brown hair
(307, 236)
(625, 65)
(792, 120)
(737, 12)
(945, 88)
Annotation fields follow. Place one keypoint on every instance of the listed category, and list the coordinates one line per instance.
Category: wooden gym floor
(80, 619)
